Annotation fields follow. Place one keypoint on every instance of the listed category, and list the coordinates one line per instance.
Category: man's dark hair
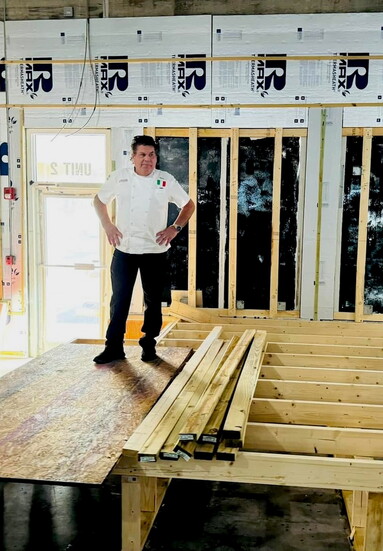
(143, 140)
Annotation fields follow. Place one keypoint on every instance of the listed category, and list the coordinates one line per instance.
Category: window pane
(72, 304)
(71, 231)
(78, 158)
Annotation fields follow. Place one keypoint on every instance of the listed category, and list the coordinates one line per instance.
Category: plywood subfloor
(65, 419)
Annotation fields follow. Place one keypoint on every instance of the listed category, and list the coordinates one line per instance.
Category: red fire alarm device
(10, 260)
(10, 193)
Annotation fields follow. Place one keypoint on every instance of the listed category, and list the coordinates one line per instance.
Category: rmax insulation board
(180, 82)
(363, 116)
(45, 41)
(298, 82)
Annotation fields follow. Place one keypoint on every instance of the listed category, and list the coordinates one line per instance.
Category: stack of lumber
(204, 412)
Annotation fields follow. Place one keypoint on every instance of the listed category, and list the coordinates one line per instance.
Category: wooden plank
(191, 392)
(316, 413)
(334, 375)
(213, 361)
(226, 453)
(344, 340)
(204, 450)
(66, 419)
(235, 423)
(281, 469)
(374, 528)
(290, 326)
(148, 517)
(150, 131)
(211, 431)
(195, 314)
(222, 223)
(190, 343)
(176, 334)
(182, 296)
(359, 508)
(275, 222)
(357, 533)
(319, 391)
(131, 513)
(325, 349)
(192, 225)
(351, 316)
(233, 222)
(193, 428)
(363, 221)
(141, 434)
(284, 438)
(306, 360)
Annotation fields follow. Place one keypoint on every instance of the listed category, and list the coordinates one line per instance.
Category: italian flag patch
(161, 183)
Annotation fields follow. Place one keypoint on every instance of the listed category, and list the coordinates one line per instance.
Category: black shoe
(149, 356)
(148, 345)
(110, 355)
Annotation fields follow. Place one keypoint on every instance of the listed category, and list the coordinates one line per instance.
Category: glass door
(68, 254)
(70, 269)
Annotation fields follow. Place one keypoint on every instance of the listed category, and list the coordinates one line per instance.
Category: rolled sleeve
(177, 194)
(108, 191)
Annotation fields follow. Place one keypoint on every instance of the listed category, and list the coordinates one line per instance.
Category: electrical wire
(96, 91)
(79, 87)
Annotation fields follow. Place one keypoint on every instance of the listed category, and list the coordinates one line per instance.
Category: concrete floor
(199, 516)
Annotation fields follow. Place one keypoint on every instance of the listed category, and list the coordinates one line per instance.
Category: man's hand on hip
(165, 236)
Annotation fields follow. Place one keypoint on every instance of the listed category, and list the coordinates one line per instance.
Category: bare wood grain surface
(65, 419)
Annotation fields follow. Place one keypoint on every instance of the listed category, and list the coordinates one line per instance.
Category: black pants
(124, 270)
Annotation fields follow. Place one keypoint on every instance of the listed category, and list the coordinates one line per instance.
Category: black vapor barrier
(256, 157)
(373, 293)
(255, 194)
(173, 157)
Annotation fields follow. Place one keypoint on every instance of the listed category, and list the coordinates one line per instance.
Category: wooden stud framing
(268, 468)
(319, 214)
(275, 222)
(192, 250)
(233, 222)
(316, 413)
(320, 391)
(279, 437)
(131, 513)
(363, 220)
(222, 224)
(334, 375)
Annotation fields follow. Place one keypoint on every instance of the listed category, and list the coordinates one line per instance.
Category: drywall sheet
(299, 82)
(363, 116)
(45, 82)
(295, 117)
(182, 82)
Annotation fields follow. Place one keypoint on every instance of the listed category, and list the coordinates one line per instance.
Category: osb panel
(65, 419)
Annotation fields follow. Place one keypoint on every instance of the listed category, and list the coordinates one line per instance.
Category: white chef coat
(142, 207)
